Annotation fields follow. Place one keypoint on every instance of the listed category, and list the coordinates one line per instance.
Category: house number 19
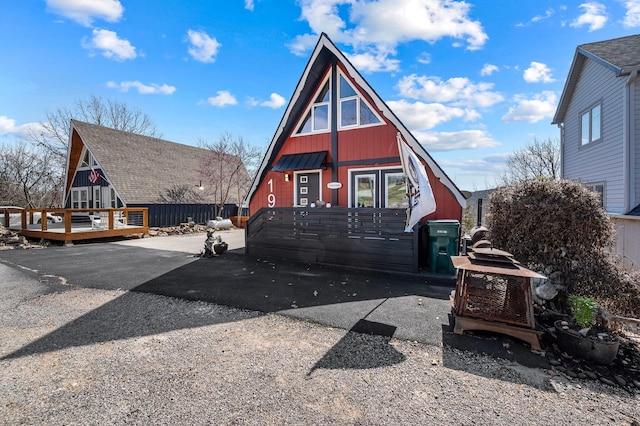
(271, 198)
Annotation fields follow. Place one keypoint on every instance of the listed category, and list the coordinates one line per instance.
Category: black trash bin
(443, 243)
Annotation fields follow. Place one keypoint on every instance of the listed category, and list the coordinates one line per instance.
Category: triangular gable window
(87, 160)
(354, 109)
(317, 117)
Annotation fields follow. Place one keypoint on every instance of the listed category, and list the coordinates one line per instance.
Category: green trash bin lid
(443, 228)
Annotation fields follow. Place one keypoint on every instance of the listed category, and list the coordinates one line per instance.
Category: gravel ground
(85, 356)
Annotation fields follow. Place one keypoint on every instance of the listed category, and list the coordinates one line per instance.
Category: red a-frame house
(331, 188)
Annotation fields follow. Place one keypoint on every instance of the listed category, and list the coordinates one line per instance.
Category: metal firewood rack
(493, 293)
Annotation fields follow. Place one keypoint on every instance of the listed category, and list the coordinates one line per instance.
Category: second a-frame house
(109, 168)
(331, 188)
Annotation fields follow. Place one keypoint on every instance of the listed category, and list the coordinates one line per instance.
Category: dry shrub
(558, 227)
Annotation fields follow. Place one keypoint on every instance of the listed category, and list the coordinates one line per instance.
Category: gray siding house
(599, 118)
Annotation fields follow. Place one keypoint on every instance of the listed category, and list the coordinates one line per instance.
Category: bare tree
(29, 178)
(228, 169)
(540, 158)
(95, 110)
(180, 194)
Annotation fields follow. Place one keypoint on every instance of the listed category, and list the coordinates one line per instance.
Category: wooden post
(43, 220)
(67, 222)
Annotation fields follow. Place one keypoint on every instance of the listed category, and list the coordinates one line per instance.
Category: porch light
(200, 187)
(286, 177)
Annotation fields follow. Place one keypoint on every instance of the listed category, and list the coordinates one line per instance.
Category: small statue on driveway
(214, 246)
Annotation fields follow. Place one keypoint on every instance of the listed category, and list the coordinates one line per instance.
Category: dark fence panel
(174, 214)
(363, 238)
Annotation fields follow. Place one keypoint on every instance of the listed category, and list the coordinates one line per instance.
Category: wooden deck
(84, 224)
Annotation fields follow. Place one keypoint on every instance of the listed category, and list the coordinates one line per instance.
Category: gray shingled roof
(620, 55)
(623, 53)
(142, 168)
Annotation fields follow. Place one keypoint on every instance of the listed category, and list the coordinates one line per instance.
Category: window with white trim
(353, 109)
(317, 117)
(87, 160)
(380, 188)
(80, 198)
(590, 125)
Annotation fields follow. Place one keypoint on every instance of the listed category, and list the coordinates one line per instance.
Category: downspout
(562, 148)
(627, 131)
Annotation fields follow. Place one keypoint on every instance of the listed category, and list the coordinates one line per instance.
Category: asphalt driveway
(413, 307)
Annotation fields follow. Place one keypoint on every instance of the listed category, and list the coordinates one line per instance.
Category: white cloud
(203, 48)
(85, 12)
(143, 89)
(376, 28)
(374, 61)
(389, 22)
(248, 4)
(8, 127)
(632, 17)
(224, 98)
(547, 14)
(594, 15)
(112, 47)
(420, 115)
(275, 101)
(543, 105)
(538, 72)
(488, 69)
(450, 141)
(459, 91)
(424, 58)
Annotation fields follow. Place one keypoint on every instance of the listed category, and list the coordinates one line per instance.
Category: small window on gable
(354, 110)
(325, 94)
(87, 160)
(305, 126)
(345, 88)
(590, 125)
(317, 117)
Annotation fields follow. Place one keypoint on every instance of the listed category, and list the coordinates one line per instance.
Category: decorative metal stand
(493, 293)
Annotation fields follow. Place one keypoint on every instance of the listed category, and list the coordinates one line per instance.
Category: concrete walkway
(413, 307)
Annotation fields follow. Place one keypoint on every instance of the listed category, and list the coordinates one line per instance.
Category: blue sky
(472, 80)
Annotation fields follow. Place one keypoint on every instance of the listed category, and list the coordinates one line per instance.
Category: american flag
(94, 176)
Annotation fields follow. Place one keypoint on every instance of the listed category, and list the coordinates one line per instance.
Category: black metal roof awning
(304, 161)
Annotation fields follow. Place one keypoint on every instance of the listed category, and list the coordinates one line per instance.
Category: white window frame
(97, 197)
(359, 99)
(386, 189)
(113, 199)
(76, 197)
(380, 180)
(312, 107)
(374, 190)
(587, 120)
(92, 161)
